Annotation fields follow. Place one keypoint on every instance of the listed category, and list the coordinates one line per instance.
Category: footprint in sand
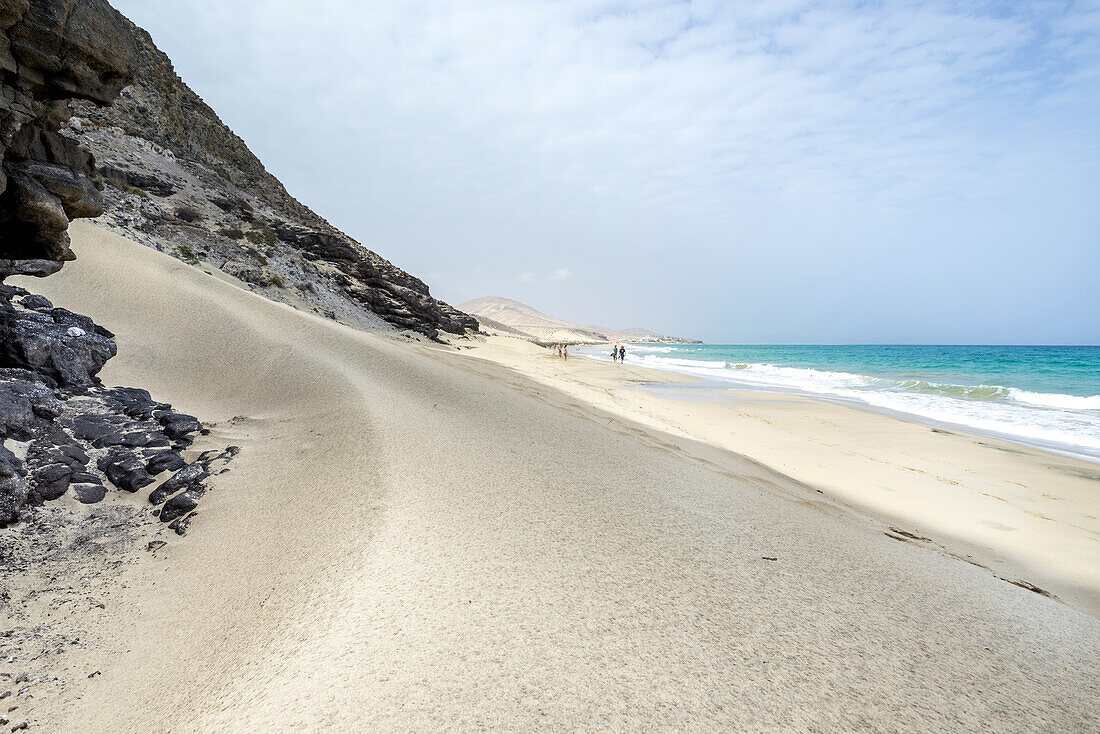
(997, 525)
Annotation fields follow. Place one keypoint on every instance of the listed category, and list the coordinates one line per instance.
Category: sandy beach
(417, 537)
(1030, 515)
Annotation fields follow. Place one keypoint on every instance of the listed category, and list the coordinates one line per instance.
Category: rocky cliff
(51, 51)
(90, 473)
(181, 181)
(149, 158)
(176, 177)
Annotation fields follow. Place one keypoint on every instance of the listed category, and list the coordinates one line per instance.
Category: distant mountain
(512, 318)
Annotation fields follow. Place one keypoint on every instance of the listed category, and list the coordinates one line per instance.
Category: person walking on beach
(565, 351)
(622, 353)
(615, 353)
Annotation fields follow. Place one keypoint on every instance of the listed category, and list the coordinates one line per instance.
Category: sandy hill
(512, 318)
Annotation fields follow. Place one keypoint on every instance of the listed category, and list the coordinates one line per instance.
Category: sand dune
(415, 539)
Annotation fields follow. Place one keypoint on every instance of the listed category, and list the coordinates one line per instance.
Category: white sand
(414, 539)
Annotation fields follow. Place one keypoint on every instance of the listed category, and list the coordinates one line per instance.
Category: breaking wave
(1052, 420)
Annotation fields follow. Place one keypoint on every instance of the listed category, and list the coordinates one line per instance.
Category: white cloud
(561, 274)
(663, 100)
(527, 277)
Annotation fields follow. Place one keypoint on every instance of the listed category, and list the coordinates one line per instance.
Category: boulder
(24, 404)
(35, 302)
(185, 478)
(178, 426)
(90, 493)
(49, 482)
(13, 486)
(164, 461)
(134, 402)
(182, 503)
(47, 344)
(124, 469)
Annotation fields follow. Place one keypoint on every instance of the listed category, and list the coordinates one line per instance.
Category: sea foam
(1068, 423)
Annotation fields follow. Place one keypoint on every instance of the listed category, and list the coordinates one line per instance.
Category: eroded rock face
(51, 51)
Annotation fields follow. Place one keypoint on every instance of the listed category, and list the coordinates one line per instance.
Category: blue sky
(783, 171)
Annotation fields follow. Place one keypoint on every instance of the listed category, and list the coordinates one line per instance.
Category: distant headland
(512, 318)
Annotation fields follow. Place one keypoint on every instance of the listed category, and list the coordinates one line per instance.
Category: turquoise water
(1044, 396)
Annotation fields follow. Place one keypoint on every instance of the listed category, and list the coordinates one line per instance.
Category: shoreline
(1071, 451)
(1027, 513)
(1053, 448)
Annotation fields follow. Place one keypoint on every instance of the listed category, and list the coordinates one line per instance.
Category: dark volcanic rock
(24, 403)
(36, 302)
(49, 482)
(138, 179)
(56, 344)
(164, 461)
(187, 477)
(125, 469)
(182, 503)
(180, 525)
(178, 426)
(134, 402)
(13, 487)
(51, 51)
(89, 493)
(63, 418)
(183, 490)
(98, 429)
(54, 412)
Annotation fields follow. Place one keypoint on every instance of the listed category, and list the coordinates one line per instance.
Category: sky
(782, 171)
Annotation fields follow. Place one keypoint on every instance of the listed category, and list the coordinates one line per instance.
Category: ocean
(1042, 396)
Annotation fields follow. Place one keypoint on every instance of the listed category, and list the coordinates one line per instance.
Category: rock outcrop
(51, 51)
(62, 431)
(183, 182)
